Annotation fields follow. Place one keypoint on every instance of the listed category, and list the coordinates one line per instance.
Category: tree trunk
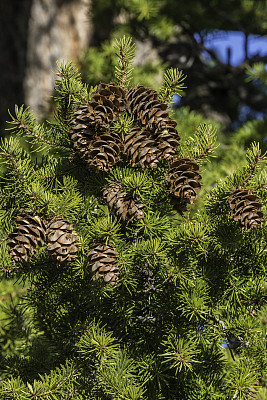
(35, 34)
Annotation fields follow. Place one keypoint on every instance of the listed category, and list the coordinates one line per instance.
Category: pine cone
(62, 240)
(26, 237)
(245, 208)
(101, 150)
(105, 106)
(104, 263)
(82, 137)
(105, 150)
(151, 113)
(167, 140)
(125, 207)
(184, 179)
(112, 92)
(141, 148)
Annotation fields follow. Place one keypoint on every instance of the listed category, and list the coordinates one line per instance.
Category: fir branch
(125, 51)
(19, 166)
(200, 146)
(24, 124)
(253, 157)
(69, 86)
(173, 83)
(257, 71)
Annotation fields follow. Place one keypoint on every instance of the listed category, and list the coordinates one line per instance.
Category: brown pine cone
(26, 237)
(183, 177)
(141, 148)
(104, 263)
(62, 240)
(112, 92)
(245, 208)
(122, 205)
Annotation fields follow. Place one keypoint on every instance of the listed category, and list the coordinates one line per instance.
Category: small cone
(145, 107)
(141, 148)
(62, 240)
(245, 208)
(113, 93)
(104, 263)
(183, 178)
(123, 206)
(26, 237)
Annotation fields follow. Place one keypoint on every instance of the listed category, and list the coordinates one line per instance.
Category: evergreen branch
(24, 124)
(257, 71)
(125, 51)
(200, 146)
(122, 125)
(18, 163)
(69, 86)
(173, 83)
(253, 157)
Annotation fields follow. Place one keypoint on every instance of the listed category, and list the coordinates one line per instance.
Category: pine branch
(19, 166)
(125, 51)
(200, 146)
(253, 157)
(24, 124)
(173, 83)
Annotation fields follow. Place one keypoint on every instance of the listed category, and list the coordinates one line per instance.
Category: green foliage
(125, 51)
(187, 318)
(173, 83)
(97, 65)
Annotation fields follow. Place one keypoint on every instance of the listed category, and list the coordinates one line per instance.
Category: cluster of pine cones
(31, 232)
(152, 138)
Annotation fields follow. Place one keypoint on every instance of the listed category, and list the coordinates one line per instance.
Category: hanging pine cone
(143, 105)
(62, 240)
(141, 149)
(167, 140)
(245, 208)
(26, 237)
(183, 178)
(122, 205)
(113, 93)
(101, 150)
(104, 263)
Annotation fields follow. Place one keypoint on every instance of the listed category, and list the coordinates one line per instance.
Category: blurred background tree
(179, 34)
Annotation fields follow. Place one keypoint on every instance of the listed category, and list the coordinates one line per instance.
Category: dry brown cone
(141, 148)
(112, 92)
(94, 115)
(105, 150)
(26, 237)
(167, 140)
(101, 149)
(104, 263)
(145, 107)
(105, 106)
(245, 208)
(183, 177)
(62, 240)
(122, 205)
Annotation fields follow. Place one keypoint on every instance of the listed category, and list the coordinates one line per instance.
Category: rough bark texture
(34, 35)
(58, 30)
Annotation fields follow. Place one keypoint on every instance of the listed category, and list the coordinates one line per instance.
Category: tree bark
(35, 34)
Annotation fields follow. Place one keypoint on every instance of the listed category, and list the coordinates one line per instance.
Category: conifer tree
(131, 292)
